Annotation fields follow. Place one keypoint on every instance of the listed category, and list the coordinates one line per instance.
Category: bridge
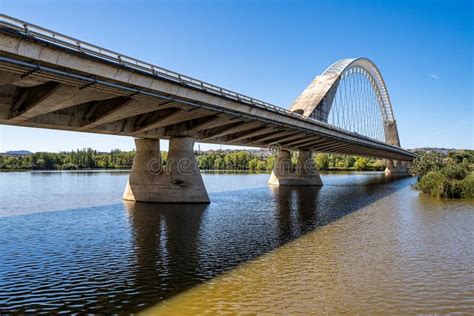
(50, 80)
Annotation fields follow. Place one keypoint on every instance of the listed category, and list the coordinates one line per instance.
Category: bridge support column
(178, 182)
(394, 167)
(305, 172)
(282, 168)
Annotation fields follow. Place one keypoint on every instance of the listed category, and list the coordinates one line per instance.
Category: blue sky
(272, 49)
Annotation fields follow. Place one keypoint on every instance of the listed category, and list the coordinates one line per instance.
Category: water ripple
(359, 244)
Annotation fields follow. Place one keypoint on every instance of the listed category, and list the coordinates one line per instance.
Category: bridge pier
(396, 168)
(178, 182)
(304, 174)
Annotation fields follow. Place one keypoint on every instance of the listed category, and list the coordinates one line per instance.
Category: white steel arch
(329, 79)
(317, 99)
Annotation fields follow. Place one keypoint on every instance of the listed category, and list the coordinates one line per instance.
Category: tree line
(256, 161)
(443, 175)
(244, 160)
(78, 159)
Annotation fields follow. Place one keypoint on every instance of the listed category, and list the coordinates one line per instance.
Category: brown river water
(362, 244)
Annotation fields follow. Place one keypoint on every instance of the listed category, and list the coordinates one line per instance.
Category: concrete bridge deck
(66, 86)
(50, 80)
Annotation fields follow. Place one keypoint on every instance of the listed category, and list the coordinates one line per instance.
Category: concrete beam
(173, 118)
(8, 95)
(285, 140)
(332, 146)
(214, 121)
(52, 97)
(33, 96)
(301, 142)
(328, 146)
(319, 144)
(127, 108)
(99, 108)
(234, 129)
(8, 77)
(260, 131)
(19, 80)
(277, 135)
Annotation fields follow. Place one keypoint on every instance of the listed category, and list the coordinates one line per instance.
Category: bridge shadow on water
(179, 246)
(130, 256)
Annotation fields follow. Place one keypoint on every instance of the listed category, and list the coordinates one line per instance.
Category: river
(360, 244)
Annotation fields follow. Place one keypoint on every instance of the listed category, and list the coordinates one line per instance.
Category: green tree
(378, 165)
(444, 176)
(434, 183)
(341, 164)
(455, 170)
(426, 162)
(350, 160)
(253, 164)
(467, 187)
(229, 162)
(219, 163)
(261, 165)
(270, 162)
(361, 163)
(322, 161)
(203, 162)
(164, 157)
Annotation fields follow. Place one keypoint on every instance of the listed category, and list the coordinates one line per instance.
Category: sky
(271, 50)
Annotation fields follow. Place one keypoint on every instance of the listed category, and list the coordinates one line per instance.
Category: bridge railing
(65, 41)
(111, 56)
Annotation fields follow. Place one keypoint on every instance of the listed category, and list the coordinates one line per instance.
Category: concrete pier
(393, 167)
(304, 174)
(178, 182)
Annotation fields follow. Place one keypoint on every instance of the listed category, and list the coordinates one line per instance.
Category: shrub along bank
(445, 176)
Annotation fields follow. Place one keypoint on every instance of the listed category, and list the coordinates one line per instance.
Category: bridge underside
(46, 100)
(46, 85)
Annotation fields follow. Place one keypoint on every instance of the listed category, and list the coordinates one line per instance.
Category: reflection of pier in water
(178, 246)
(295, 208)
(165, 238)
